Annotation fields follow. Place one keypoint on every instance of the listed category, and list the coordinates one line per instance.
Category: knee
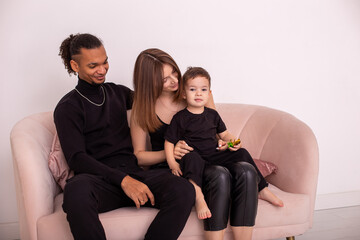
(242, 154)
(244, 170)
(182, 192)
(186, 192)
(191, 157)
(192, 154)
(78, 194)
(216, 177)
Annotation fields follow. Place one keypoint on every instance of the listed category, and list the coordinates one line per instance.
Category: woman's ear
(74, 65)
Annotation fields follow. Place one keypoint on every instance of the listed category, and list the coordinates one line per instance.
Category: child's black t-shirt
(197, 130)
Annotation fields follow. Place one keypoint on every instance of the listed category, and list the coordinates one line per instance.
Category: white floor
(334, 224)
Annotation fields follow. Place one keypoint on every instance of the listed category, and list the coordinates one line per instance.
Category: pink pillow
(58, 164)
(266, 168)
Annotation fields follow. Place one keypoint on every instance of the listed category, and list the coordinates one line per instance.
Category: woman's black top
(157, 141)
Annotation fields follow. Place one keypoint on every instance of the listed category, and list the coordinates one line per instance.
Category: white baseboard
(337, 200)
(9, 231)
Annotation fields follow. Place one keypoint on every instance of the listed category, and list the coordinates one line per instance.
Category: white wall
(302, 57)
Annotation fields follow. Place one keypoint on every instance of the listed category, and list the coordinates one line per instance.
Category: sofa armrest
(278, 137)
(292, 146)
(31, 140)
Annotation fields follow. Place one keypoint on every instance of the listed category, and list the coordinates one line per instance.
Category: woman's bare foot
(201, 208)
(267, 195)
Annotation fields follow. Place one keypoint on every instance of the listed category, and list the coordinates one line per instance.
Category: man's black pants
(85, 196)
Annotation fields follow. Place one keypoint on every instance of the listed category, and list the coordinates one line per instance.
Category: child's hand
(222, 145)
(175, 169)
(234, 145)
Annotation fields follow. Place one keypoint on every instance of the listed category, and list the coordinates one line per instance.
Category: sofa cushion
(133, 223)
(266, 168)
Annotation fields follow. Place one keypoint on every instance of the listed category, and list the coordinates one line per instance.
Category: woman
(157, 97)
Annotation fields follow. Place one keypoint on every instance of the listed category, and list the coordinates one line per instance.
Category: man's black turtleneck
(96, 139)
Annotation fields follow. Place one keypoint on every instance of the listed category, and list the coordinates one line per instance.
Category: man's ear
(74, 65)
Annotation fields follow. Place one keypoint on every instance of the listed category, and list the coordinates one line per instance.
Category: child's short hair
(193, 72)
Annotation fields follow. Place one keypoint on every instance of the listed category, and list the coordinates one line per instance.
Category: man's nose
(102, 70)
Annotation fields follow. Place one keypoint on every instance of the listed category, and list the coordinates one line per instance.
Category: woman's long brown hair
(148, 85)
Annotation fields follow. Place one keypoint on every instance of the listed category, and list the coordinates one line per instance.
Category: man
(93, 130)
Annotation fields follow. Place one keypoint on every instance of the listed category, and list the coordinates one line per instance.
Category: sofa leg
(290, 238)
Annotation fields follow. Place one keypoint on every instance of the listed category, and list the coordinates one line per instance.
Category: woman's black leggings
(230, 189)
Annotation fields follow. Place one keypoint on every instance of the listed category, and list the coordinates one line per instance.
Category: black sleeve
(69, 122)
(129, 96)
(172, 133)
(221, 127)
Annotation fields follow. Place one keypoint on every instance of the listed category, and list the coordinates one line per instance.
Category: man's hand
(137, 191)
(181, 148)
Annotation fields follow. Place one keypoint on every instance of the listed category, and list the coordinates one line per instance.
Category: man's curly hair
(71, 46)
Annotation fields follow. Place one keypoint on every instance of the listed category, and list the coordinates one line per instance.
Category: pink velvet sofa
(268, 134)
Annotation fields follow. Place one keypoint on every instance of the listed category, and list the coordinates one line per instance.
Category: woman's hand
(175, 169)
(181, 148)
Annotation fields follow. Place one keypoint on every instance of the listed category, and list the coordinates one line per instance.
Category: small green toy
(232, 143)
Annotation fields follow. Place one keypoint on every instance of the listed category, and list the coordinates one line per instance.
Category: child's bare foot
(267, 195)
(201, 208)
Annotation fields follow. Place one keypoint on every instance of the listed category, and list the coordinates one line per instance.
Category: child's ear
(184, 95)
